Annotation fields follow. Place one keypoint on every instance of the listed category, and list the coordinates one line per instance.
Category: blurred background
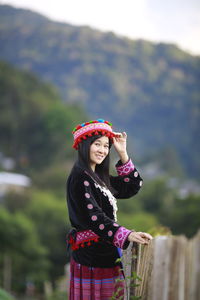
(133, 63)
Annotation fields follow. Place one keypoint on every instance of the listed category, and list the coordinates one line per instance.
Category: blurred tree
(184, 216)
(20, 251)
(181, 216)
(35, 125)
(141, 221)
(155, 195)
(49, 215)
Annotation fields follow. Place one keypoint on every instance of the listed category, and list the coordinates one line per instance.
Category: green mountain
(34, 122)
(150, 90)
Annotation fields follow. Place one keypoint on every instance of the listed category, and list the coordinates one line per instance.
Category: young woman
(96, 237)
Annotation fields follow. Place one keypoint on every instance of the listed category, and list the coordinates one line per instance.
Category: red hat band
(83, 131)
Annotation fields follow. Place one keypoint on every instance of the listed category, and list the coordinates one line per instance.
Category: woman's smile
(100, 156)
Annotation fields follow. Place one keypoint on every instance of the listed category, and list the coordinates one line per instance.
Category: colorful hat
(82, 131)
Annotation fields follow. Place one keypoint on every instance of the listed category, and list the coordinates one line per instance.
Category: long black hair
(101, 174)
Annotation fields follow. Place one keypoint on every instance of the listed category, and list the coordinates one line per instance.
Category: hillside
(151, 90)
(34, 122)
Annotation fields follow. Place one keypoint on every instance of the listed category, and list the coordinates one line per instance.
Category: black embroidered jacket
(92, 212)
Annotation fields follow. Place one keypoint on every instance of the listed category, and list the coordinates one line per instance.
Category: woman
(96, 238)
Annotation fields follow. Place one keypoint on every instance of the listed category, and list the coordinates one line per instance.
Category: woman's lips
(99, 156)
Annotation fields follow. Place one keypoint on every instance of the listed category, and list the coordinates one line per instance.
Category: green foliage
(35, 126)
(53, 178)
(183, 217)
(141, 221)
(21, 243)
(19, 231)
(135, 281)
(15, 202)
(160, 230)
(35, 130)
(155, 194)
(176, 215)
(5, 296)
(34, 237)
(58, 295)
(51, 220)
(135, 297)
(160, 210)
(129, 205)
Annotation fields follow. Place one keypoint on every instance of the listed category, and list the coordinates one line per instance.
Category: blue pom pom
(83, 124)
(100, 120)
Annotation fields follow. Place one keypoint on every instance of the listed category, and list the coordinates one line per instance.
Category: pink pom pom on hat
(83, 131)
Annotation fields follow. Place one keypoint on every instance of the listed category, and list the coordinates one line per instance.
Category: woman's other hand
(140, 237)
(119, 142)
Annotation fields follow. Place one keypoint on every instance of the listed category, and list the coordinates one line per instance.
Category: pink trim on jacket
(120, 236)
(126, 168)
(83, 239)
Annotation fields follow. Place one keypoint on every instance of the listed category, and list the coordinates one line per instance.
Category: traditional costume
(96, 237)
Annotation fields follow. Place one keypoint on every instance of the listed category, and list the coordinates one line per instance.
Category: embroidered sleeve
(125, 169)
(128, 182)
(121, 236)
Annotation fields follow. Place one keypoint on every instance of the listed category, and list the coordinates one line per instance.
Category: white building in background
(6, 163)
(13, 182)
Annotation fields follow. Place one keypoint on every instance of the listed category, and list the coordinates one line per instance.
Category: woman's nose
(101, 149)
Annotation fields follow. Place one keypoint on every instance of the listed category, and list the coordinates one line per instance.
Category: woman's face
(99, 149)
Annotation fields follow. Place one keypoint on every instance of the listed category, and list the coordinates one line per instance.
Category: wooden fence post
(169, 268)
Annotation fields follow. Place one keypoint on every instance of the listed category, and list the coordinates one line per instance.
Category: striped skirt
(88, 283)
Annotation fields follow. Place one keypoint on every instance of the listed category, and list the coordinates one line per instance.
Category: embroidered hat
(84, 130)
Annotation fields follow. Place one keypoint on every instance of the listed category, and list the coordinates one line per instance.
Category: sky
(171, 21)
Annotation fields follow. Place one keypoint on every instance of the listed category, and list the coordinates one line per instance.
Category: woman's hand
(119, 142)
(140, 237)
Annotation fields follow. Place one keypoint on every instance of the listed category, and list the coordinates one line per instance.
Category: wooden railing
(167, 269)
